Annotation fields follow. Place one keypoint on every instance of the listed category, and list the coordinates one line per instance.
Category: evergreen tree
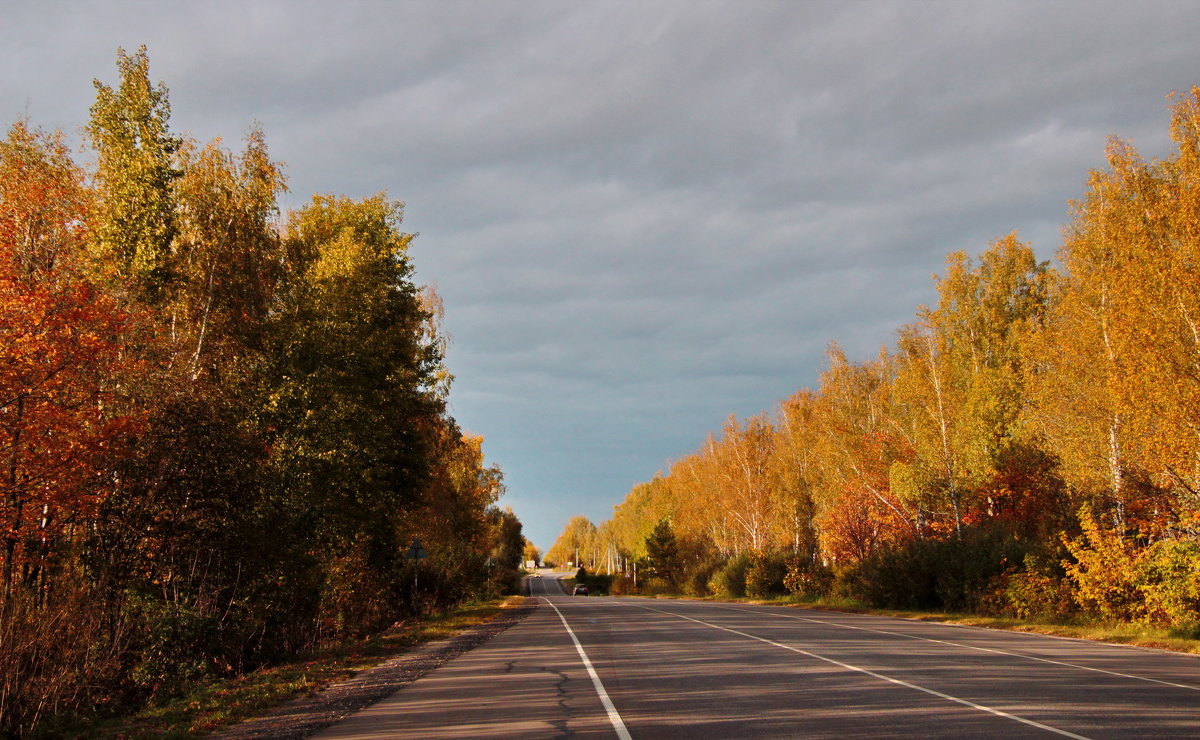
(662, 552)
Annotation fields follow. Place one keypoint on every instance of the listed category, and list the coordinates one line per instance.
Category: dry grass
(1138, 635)
(212, 706)
(1182, 641)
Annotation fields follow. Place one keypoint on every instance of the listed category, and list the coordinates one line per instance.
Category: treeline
(1029, 446)
(221, 426)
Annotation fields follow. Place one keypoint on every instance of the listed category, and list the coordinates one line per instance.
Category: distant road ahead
(666, 668)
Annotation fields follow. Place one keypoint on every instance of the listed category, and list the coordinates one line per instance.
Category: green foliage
(700, 573)
(765, 575)
(136, 221)
(248, 423)
(949, 573)
(599, 584)
(730, 579)
(174, 646)
(662, 553)
(507, 550)
(350, 381)
(1171, 576)
(806, 578)
(1039, 591)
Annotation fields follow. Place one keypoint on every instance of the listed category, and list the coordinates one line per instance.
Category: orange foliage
(857, 524)
(59, 348)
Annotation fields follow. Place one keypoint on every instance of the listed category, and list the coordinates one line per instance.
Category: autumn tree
(857, 443)
(507, 544)
(960, 382)
(135, 218)
(741, 462)
(531, 553)
(61, 371)
(58, 358)
(573, 544)
(1029, 446)
(217, 435)
(795, 463)
(226, 256)
(635, 517)
(456, 516)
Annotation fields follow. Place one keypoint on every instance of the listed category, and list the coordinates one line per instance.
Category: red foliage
(857, 524)
(60, 350)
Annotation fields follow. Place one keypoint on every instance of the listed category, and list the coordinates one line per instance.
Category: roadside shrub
(622, 586)
(656, 585)
(600, 583)
(178, 645)
(597, 583)
(964, 568)
(1038, 591)
(1171, 584)
(806, 578)
(58, 659)
(355, 600)
(696, 579)
(765, 574)
(895, 578)
(954, 574)
(1116, 579)
(1105, 569)
(730, 580)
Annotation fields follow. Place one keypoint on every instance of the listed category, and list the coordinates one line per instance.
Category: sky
(646, 216)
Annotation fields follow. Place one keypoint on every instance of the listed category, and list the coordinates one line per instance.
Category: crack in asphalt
(564, 694)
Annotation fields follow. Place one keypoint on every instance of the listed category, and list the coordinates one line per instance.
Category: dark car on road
(580, 590)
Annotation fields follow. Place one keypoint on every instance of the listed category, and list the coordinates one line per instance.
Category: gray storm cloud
(644, 217)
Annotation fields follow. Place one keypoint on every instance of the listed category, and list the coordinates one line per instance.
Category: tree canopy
(221, 424)
(1029, 439)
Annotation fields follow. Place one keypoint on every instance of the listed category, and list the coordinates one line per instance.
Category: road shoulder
(306, 715)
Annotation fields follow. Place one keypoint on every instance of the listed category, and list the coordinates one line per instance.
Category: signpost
(416, 553)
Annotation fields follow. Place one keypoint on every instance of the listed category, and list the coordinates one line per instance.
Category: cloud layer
(644, 217)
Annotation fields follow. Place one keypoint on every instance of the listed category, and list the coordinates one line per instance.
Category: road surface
(665, 668)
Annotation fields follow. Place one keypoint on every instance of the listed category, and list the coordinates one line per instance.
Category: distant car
(580, 590)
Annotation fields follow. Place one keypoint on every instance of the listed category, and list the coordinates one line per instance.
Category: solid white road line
(873, 674)
(613, 716)
(969, 647)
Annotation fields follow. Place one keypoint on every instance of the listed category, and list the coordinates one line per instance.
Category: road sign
(416, 551)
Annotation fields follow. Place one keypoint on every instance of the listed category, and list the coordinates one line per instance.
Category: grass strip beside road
(1135, 635)
(212, 706)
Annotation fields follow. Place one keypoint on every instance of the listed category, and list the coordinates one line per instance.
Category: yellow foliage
(1106, 571)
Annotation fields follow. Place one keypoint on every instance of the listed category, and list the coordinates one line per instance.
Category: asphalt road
(665, 668)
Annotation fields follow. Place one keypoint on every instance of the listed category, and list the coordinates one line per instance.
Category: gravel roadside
(306, 715)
